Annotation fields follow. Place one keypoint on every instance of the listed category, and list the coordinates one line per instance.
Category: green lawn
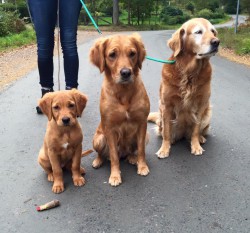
(17, 40)
(239, 42)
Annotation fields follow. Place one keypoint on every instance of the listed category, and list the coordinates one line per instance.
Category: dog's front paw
(82, 171)
(132, 159)
(115, 180)
(163, 152)
(142, 170)
(50, 177)
(202, 139)
(196, 149)
(97, 162)
(80, 181)
(58, 187)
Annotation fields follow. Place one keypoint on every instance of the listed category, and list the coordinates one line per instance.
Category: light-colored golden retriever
(124, 104)
(186, 87)
(62, 145)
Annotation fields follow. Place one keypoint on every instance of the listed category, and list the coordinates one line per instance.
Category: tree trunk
(129, 12)
(115, 12)
(138, 15)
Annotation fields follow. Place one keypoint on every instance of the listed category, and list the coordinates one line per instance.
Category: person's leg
(44, 16)
(68, 19)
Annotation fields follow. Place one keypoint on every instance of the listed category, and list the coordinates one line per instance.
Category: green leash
(159, 60)
(99, 31)
(92, 20)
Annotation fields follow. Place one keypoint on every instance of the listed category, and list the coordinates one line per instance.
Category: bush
(20, 8)
(190, 7)
(173, 15)
(171, 11)
(205, 13)
(10, 23)
(179, 19)
(23, 11)
(219, 14)
(213, 5)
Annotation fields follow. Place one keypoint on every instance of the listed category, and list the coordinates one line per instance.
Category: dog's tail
(154, 117)
(86, 152)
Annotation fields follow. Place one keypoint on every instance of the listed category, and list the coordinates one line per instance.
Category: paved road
(231, 23)
(182, 193)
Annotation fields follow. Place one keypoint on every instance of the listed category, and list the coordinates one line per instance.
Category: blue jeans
(44, 16)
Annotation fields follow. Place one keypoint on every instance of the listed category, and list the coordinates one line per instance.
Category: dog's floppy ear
(140, 48)
(80, 100)
(97, 53)
(45, 103)
(176, 42)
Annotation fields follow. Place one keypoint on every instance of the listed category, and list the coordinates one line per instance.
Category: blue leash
(99, 31)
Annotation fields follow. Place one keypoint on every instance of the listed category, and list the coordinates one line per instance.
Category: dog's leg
(100, 146)
(98, 161)
(132, 159)
(205, 124)
(58, 185)
(76, 168)
(163, 152)
(115, 176)
(68, 166)
(196, 148)
(142, 167)
(45, 164)
(200, 128)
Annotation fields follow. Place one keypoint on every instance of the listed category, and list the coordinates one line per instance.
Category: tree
(246, 5)
(190, 7)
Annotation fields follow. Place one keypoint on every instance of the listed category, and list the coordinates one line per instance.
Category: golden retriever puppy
(124, 104)
(62, 147)
(186, 86)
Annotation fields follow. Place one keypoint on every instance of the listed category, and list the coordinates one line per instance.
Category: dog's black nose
(65, 120)
(125, 73)
(215, 42)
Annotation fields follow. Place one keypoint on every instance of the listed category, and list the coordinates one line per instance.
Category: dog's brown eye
(71, 105)
(112, 55)
(56, 107)
(132, 54)
(198, 32)
(213, 31)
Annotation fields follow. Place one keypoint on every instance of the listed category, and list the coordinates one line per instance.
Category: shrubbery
(21, 8)
(10, 23)
(208, 14)
(205, 13)
(173, 15)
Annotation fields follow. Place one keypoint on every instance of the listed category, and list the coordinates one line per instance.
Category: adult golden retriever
(62, 145)
(124, 104)
(186, 87)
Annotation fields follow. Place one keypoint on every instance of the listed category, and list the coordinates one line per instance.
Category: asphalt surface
(231, 23)
(183, 193)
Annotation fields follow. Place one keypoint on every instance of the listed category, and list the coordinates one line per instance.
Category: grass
(17, 40)
(239, 43)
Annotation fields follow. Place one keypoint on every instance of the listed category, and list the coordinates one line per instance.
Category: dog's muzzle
(126, 75)
(215, 44)
(65, 121)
